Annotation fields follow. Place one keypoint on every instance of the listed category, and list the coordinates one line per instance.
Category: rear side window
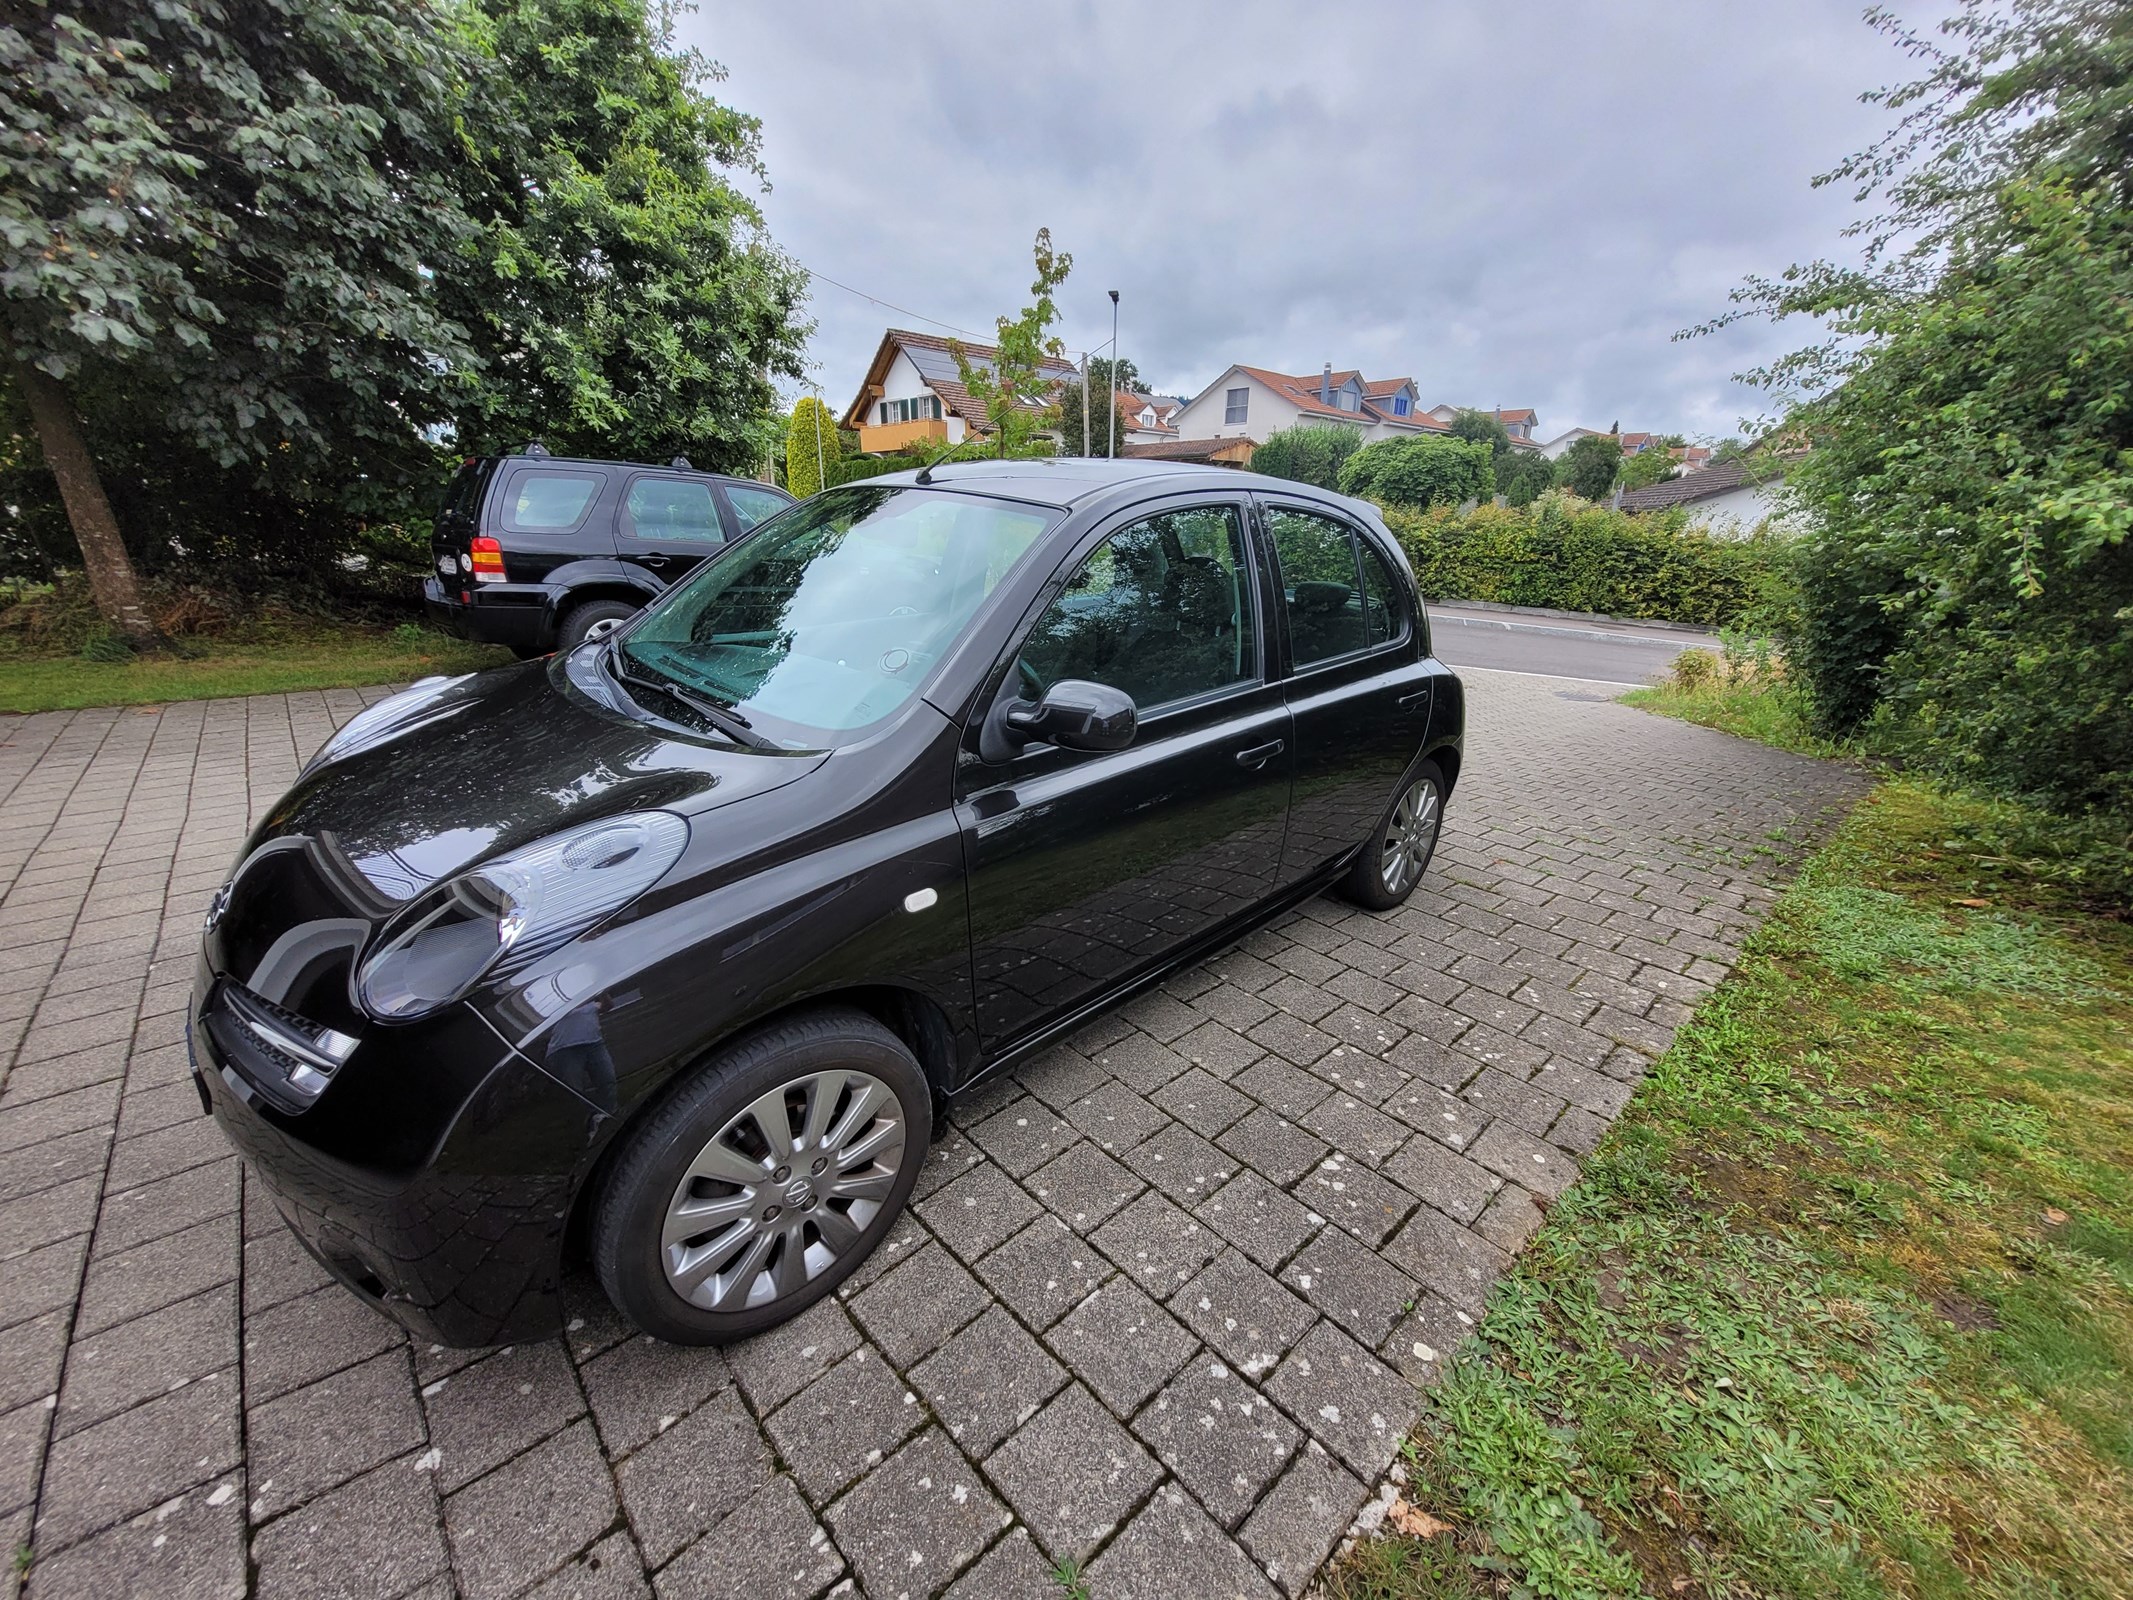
(754, 505)
(1319, 585)
(672, 508)
(548, 502)
(1384, 612)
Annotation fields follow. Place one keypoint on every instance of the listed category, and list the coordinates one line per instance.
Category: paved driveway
(1159, 1308)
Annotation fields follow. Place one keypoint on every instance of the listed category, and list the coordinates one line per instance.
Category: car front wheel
(591, 619)
(771, 1173)
(1392, 863)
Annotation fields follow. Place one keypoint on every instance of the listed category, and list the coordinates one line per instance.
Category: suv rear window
(548, 502)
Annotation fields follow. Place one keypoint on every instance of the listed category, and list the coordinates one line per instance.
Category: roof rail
(534, 447)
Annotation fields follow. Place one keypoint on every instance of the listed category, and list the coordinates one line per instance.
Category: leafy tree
(1967, 575)
(1014, 388)
(1310, 452)
(225, 215)
(1524, 476)
(1483, 428)
(1728, 450)
(1105, 378)
(1647, 467)
(814, 450)
(620, 296)
(1591, 466)
(1425, 471)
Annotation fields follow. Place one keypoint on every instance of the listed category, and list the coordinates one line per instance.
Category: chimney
(1325, 386)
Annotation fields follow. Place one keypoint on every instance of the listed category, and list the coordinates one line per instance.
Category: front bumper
(465, 1244)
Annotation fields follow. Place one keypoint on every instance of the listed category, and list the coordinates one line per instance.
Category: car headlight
(394, 715)
(512, 910)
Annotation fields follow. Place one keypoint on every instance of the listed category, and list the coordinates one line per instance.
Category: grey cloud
(1515, 206)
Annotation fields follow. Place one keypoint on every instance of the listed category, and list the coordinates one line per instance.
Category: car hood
(463, 769)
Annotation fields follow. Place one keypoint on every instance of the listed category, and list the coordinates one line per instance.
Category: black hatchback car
(668, 949)
(539, 552)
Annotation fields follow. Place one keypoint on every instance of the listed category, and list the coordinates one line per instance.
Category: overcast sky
(1514, 205)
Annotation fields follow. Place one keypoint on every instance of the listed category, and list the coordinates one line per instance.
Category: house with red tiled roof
(1520, 422)
(1252, 402)
(1145, 418)
(913, 393)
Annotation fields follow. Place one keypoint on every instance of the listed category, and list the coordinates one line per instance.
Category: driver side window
(1162, 609)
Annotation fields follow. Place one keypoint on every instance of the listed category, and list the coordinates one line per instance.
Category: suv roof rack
(682, 462)
(534, 447)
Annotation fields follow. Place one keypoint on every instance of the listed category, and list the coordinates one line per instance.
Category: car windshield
(833, 614)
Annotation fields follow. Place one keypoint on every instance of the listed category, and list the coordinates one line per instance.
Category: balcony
(875, 438)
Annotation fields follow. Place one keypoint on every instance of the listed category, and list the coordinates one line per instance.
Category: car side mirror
(1076, 715)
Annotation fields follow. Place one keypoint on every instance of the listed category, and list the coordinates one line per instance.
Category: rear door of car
(667, 522)
(1086, 868)
(1357, 685)
(548, 513)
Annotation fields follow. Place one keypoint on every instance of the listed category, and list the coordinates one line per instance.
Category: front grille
(286, 1059)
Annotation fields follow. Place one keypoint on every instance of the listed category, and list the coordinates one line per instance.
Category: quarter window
(669, 509)
(1162, 609)
(1234, 404)
(549, 502)
(1384, 614)
(754, 505)
(1319, 585)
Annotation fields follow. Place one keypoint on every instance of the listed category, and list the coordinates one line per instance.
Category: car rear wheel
(1392, 863)
(592, 619)
(772, 1172)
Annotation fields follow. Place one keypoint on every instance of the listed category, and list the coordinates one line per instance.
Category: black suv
(542, 552)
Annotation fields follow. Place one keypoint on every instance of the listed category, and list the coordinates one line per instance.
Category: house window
(1399, 405)
(1348, 402)
(1234, 403)
(917, 409)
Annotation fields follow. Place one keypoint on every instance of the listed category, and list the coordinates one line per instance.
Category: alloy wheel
(1410, 836)
(784, 1189)
(604, 627)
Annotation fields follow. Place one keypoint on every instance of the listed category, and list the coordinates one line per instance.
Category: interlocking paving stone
(1352, 1197)
(1072, 1473)
(1121, 1344)
(1244, 1314)
(1045, 1271)
(843, 1423)
(987, 1381)
(1224, 1439)
(1258, 1218)
(692, 1475)
(1353, 1403)
(1296, 1526)
(1508, 1011)
(530, 1515)
(917, 1520)
(1172, 1548)
(770, 1548)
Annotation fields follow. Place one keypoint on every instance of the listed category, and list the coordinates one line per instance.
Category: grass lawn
(1844, 1303)
(260, 662)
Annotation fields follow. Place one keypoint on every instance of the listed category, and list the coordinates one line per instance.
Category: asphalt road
(1599, 652)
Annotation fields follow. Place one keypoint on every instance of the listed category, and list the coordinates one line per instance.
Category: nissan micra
(669, 951)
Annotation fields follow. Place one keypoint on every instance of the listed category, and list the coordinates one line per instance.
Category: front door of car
(667, 523)
(1358, 687)
(1086, 868)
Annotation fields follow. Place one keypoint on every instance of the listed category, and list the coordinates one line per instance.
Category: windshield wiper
(731, 723)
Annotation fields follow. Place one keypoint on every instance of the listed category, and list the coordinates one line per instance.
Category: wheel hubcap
(784, 1189)
(602, 628)
(1410, 836)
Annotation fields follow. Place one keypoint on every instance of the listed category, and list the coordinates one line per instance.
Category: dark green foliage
(1647, 467)
(1588, 558)
(1482, 427)
(620, 296)
(1310, 452)
(1105, 378)
(1591, 466)
(1426, 471)
(1523, 476)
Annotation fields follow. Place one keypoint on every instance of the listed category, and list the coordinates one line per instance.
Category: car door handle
(1260, 754)
(1407, 702)
(652, 561)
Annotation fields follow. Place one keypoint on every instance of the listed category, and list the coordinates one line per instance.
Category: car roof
(1072, 482)
(634, 466)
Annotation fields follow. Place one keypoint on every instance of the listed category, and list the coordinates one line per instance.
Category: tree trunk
(103, 552)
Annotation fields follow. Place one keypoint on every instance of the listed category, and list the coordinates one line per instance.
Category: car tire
(590, 618)
(705, 1157)
(1400, 847)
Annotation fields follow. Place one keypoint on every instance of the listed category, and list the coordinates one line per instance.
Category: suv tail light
(488, 559)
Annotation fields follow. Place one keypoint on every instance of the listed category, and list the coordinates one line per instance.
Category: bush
(1565, 554)
(1524, 476)
(813, 449)
(1311, 452)
(1427, 471)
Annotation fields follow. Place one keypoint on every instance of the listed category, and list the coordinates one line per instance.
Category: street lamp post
(1111, 400)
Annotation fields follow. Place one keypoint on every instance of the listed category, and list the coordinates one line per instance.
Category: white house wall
(1737, 513)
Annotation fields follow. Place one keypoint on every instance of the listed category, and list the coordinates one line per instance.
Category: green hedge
(1570, 556)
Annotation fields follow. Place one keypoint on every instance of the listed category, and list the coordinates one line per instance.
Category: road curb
(1438, 619)
(1578, 616)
